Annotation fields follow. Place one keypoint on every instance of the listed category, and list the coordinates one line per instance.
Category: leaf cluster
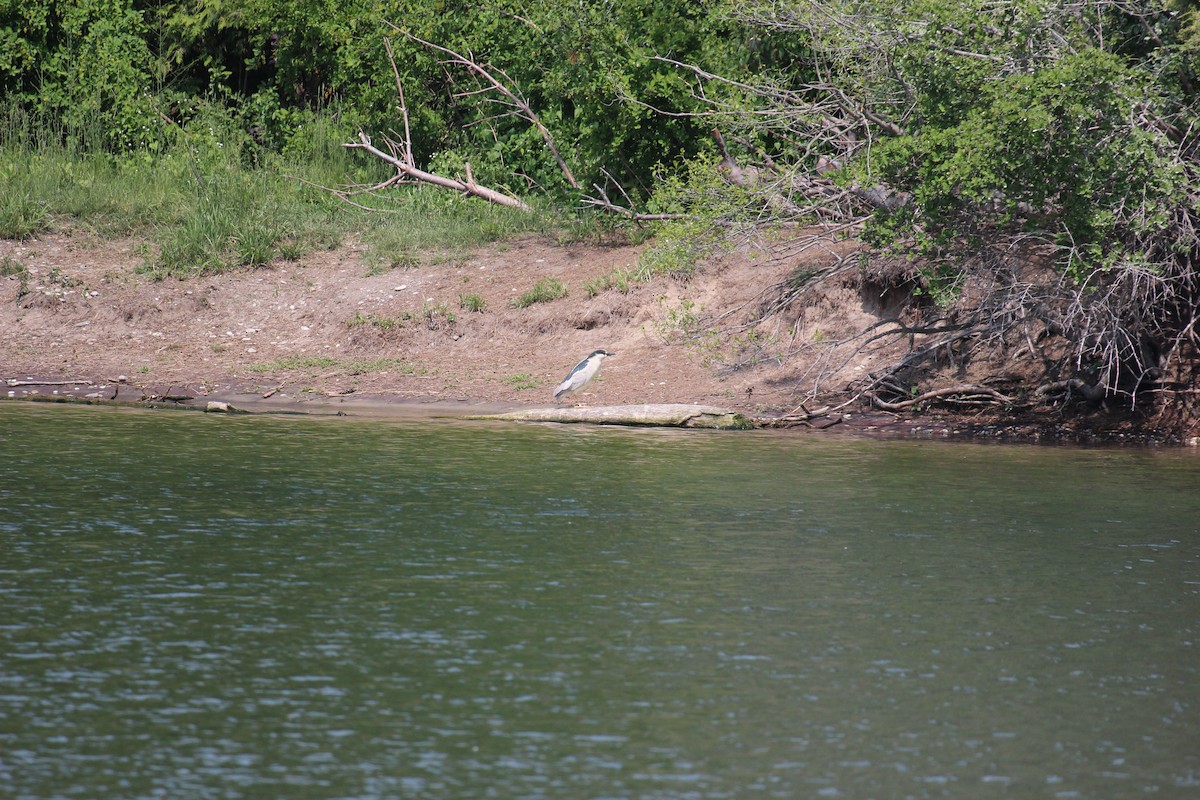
(124, 75)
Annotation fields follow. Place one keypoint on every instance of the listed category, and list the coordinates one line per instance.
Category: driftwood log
(674, 415)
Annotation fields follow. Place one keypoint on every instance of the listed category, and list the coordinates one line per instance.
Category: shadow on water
(206, 606)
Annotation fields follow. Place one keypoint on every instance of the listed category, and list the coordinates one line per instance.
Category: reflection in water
(201, 606)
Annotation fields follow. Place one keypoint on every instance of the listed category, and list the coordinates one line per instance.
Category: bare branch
(507, 89)
(408, 170)
(408, 150)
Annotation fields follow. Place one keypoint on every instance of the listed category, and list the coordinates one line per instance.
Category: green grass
(543, 291)
(522, 380)
(334, 365)
(472, 302)
(211, 202)
(378, 321)
(423, 219)
(295, 363)
(11, 266)
(437, 314)
(622, 279)
(382, 364)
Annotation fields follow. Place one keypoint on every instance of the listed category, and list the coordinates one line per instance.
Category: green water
(204, 606)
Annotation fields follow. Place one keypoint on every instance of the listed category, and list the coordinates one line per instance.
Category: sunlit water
(205, 606)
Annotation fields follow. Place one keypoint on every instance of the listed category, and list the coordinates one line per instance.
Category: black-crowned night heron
(582, 374)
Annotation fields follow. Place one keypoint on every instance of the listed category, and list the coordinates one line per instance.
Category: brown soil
(81, 311)
(88, 313)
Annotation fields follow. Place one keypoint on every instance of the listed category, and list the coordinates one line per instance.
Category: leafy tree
(981, 138)
(85, 63)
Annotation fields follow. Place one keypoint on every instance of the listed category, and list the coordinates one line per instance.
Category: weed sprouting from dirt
(522, 381)
(543, 291)
(295, 363)
(333, 365)
(621, 279)
(472, 302)
(378, 321)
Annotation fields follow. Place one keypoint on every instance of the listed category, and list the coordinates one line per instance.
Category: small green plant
(402, 260)
(334, 365)
(543, 291)
(21, 215)
(291, 250)
(10, 266)
(683, 325)
(295, 363)
(378, 321)
(56, 276)
(384, 364)
(679, 323)
(621, 279)
(437, 314)
(522, 381)
(471, 302)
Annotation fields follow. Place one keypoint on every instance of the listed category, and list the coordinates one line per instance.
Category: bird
(582, 374)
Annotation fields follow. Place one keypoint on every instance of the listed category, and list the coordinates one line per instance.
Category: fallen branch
(467, 187)
(968, 394)
(494, 81)
(18, 382)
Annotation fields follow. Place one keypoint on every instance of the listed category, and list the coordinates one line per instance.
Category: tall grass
(213, 200)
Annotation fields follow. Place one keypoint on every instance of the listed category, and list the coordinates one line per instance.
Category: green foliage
(472, 302)
(379, 321)
(212, 200)
(124, 76)
(437, 315)
(233, 221)
(680, 323)
(421, 219)
(10, 266)
(678, 249)
(522, 381)
(382, 364)
(572, 61)
(1005, 138)
(334, 365)
(621, 279)
(545, 290)
(712, 212)
(85, 63)
(295, 363)
(22, 216)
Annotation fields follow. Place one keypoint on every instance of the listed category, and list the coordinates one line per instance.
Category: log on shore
(676, 415)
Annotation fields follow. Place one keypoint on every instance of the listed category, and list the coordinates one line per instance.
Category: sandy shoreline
(329, 334)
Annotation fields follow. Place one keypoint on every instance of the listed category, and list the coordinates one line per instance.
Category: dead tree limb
(522, 107)
(968, 394)
(468, 187)
(408, 151)
(496, 82)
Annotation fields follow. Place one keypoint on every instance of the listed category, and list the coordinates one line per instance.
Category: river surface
(206, 606)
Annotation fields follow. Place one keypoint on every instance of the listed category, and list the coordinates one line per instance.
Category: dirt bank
(329, 330)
